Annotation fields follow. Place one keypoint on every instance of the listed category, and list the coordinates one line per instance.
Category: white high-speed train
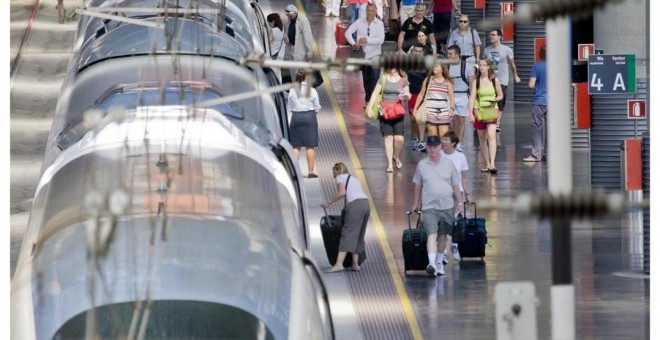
(159, 213)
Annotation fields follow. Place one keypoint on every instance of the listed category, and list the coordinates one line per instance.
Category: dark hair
(419, 45)
(542, 53)
(498, 32)
(276, 18)
(455, 48)
(300, 76)
(452, 137)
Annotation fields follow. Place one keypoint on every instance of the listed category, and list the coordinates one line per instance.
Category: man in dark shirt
(410, 27)
(416, 78)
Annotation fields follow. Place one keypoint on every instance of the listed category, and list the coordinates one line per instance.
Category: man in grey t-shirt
(437, 187)
(501, 59)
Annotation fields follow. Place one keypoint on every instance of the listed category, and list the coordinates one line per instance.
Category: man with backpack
(462, 75)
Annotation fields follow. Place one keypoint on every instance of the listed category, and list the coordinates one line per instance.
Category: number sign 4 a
(610, 74)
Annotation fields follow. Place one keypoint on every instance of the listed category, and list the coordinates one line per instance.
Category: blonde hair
(340, 168)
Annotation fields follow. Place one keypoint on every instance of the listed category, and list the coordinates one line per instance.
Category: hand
(325, 205)
(472, 118)
(362, 41)
(517, 79)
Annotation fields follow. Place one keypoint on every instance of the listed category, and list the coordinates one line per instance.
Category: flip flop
(389, 171)
(485, 170)
(398, 164)
(334, 270)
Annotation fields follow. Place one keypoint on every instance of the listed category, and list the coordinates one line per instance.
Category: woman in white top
(276, 36)
(304, 127)
(356, 216)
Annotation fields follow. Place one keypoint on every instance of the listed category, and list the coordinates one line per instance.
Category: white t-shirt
(354, 189)
(460, 163)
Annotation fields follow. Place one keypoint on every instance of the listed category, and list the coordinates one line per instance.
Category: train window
(170, 96)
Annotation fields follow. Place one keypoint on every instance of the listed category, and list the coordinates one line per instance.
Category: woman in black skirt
(303, 129)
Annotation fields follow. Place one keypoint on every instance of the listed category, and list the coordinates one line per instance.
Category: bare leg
(389, 150)
(421, 130)
(398, 145)
(431, 244)
(339, 265)
(483, 147)
(460, 127)
(432, 129)
(296, 152)
(492, 144)
(442, 129)
(414, 129)
(356, 260)
(309, 151)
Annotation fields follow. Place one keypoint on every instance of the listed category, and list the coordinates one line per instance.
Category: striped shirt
(437, 102)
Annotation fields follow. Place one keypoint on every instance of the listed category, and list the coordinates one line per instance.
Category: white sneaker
(454, 252)
(445, 258)
(440, 271)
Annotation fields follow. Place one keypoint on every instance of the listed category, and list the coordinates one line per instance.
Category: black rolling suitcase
(331, 226)
(415, 256)
(473, 243)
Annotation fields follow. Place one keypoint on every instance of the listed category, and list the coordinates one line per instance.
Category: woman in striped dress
(439, 101)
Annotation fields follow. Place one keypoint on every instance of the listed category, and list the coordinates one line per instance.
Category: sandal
(485, 170)
(398, 164)
(493, 170)
(389, 171)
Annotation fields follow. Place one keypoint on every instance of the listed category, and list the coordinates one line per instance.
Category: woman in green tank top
(485, 92)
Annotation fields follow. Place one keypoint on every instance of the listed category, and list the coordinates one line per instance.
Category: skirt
(304, 129)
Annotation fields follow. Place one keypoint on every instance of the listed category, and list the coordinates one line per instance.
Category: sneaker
(430, 269)
(440, 271)
(413, 144)
(445, 258)
(498, 129)
(459, 147)
(531, 159)
(454, 252)
(421, 147)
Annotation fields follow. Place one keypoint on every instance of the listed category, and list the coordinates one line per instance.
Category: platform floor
(611, 292)
(612, 296)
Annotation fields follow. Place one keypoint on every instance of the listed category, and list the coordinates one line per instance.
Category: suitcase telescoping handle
(465, 204)
(419, 219)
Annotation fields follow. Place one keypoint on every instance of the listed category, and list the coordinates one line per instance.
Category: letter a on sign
(618, 83)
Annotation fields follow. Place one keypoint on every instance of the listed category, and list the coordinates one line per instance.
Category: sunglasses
(463, 21)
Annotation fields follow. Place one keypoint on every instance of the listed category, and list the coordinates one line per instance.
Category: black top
(410, 28)
(291, 32)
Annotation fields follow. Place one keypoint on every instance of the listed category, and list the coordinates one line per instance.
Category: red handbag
(393, 110)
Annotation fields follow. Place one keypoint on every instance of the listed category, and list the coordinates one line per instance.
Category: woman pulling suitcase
(356, 216)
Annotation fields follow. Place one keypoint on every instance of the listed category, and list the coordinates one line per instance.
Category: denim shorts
(438, 221)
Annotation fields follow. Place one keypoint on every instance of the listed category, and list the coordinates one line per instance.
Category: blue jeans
(357, 11)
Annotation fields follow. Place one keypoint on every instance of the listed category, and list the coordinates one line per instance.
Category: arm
(453, 3)
(512, 65)
(452, 98)
(341, 192)
(464, 180)
(532, 83)
(349, 34)
(417, 195)
(473, 97)
(432, 38)
(399, 41)
(374, 94)
(307, 33)
(498, 90)
(457, 197)
(420, 96)
(315, 101)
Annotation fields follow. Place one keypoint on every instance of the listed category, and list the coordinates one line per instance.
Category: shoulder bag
(375, 110)
(393, 110)
(421, 113)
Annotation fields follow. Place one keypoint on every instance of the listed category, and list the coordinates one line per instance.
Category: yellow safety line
(375, 219)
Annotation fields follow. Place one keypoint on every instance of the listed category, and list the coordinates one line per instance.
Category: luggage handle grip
(419, 219)
(465, 204)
